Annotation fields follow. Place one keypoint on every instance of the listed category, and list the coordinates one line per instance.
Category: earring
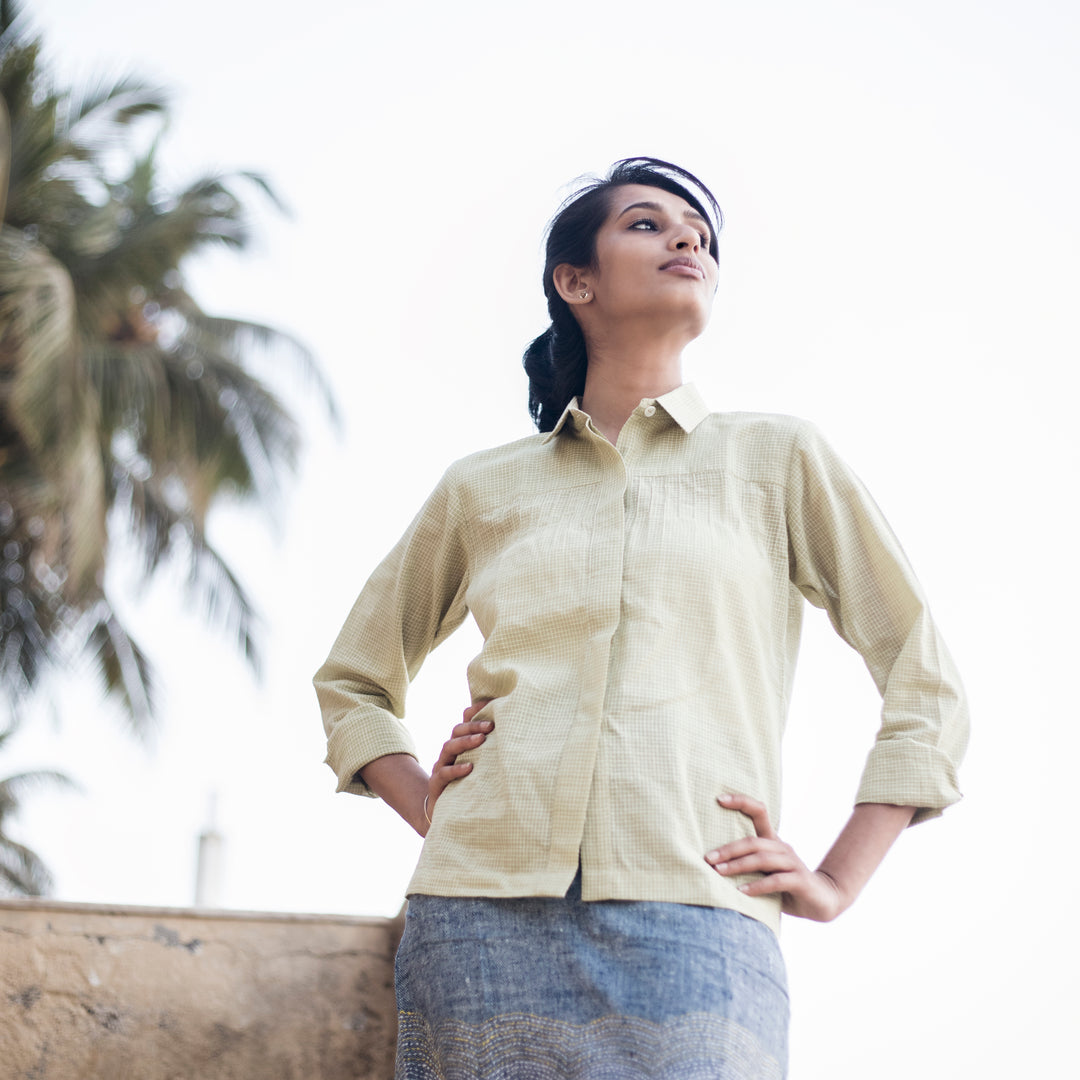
(584, 294)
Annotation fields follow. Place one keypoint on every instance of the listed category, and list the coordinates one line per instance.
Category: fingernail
(712, 856)
(724, 798)
(743, 888)
(487, 725)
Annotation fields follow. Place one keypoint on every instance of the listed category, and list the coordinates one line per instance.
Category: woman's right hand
(467, 735)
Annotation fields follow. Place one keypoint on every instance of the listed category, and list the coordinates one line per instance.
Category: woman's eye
(644, 223)
(704, 240)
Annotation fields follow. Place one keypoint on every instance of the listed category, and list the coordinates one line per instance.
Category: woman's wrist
(860, 847)
(399, 781)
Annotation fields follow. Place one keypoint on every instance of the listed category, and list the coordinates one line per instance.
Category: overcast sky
(900, 264)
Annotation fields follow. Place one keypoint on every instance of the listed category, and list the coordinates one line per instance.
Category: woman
(601, 882)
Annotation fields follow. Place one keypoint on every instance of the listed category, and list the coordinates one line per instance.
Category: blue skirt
(543, 988)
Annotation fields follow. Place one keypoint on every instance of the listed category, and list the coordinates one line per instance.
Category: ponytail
(556, 363)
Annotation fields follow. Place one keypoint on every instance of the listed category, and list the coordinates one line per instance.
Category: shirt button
(650, 410)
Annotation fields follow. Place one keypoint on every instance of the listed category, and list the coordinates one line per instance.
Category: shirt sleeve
(845, 558)
(413, 601)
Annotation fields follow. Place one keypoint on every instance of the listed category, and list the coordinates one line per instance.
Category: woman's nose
(687, 237)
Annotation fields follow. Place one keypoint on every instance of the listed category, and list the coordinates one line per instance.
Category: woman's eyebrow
(657, 208)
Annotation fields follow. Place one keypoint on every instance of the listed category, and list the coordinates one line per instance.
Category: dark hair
(556, 361)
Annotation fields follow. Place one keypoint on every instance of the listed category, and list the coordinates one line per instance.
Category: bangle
(426, 814)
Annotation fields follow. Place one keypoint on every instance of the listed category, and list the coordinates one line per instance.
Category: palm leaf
(14, 788)
(264, 185)
(241, 337)
(193, 416)
(96, 110)
(25, 646)
(225, 601)
(153, 523)
(12, 23)
(33, 112)
(22, 871)
(155, 237)
(163, 532)
(125, 670)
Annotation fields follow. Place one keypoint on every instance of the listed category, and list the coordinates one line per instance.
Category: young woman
(601, 881)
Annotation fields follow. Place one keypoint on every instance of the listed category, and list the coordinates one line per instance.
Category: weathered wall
(89, 992)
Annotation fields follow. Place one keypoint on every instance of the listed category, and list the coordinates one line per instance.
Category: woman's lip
(685, 268)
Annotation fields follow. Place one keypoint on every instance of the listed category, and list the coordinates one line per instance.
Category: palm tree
(123, 404)
(21, 870)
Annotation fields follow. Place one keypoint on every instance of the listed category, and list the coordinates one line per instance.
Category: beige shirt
(640, 606)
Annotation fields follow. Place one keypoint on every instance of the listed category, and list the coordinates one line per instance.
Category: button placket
(606, 555)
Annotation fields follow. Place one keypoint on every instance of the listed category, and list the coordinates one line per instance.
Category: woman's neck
(615, 383)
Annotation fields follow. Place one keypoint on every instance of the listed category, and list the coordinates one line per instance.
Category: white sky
(901, 264)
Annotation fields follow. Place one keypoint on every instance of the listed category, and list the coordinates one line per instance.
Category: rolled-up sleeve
(845, 558)
(411, 603)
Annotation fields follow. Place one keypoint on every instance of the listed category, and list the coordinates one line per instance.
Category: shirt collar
(684, 405)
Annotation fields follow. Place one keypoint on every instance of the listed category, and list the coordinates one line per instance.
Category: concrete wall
(127, 993)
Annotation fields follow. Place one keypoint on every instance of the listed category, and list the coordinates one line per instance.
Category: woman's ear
(572, 284)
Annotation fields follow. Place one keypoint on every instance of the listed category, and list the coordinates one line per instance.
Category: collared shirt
(640, 606)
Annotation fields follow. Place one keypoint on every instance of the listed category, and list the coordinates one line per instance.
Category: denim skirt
(543, 988)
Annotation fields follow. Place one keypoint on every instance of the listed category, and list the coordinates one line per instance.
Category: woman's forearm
(399, 780)
(861, 845)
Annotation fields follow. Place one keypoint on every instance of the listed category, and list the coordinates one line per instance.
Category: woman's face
(653, 261)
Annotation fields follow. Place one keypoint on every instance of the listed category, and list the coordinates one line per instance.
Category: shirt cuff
(359, 739)
(904, 772)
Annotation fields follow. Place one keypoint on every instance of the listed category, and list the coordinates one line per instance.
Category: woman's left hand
(806, 893)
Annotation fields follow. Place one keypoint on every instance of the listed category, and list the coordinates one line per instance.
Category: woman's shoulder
(494, 459)
(760, 426)
(494, 473)
(757, 445)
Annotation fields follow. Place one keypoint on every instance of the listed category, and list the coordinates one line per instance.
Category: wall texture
(125, 993)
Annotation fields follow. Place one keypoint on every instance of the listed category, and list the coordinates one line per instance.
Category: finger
(458, 745)
(454, 770)
(472, 728)
(745, 846)
(461, 743)
(474, 708)
(467, 735)
(754, 809)
(760, 862)
(442, 776)
(774, 883)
